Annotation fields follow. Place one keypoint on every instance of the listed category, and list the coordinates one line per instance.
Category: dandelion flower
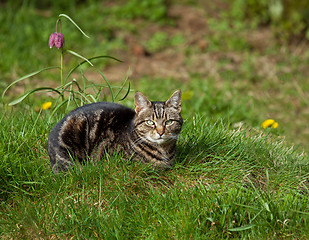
(269, 123)
(46, 105)
(275, 125)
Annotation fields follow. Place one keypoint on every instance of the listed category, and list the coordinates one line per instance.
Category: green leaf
(56, 109)
(80, 56)
(266, 206)
(30, 92)
(127, 93)
(246, 227)
(108, 84)
(75, 24)
(122, 87)
(89, 59)
(26, 76)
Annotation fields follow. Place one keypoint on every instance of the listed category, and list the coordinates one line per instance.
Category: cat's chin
(158, 140)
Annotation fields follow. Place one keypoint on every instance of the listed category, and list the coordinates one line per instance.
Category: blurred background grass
(242, 61)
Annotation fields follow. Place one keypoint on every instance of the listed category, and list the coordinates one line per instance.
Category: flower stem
(61, 67)
(58, 22)
(61, 73)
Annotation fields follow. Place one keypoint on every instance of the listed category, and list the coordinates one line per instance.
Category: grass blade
(238, 229)
(75, 24)
(127, 93)
(30, 92)
(122, 87)
(89, 59)
(26, 76)
(80, 56)
(56, 109)
(109, 86)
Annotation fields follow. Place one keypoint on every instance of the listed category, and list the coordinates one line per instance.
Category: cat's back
(99, 115)
(106, 107)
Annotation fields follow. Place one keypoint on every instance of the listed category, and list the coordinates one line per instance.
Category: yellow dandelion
(270, 123)
(46, 105)
(275, 125)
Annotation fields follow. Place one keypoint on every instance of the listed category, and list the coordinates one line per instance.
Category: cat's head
(158, 122)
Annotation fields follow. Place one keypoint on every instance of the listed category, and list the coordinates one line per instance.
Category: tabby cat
(148, 133)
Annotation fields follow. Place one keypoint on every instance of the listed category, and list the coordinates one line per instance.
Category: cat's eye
(168, 122)
(150, 123)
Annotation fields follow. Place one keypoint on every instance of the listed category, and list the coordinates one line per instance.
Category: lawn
(225, 184)
(232, 178)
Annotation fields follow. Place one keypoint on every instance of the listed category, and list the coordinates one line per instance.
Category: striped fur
(148, 133)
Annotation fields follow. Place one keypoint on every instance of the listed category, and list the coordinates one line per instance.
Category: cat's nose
(160, 130)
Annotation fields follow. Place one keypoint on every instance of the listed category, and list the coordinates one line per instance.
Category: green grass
(232, 179)
(225, 184)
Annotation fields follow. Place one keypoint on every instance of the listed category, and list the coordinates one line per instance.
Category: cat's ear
(175, 100)
(141, 102)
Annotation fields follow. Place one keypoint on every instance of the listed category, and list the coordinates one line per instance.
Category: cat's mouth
(158, 139)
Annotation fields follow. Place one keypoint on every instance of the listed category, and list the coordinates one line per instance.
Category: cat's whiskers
(172, 137)
(138, 141)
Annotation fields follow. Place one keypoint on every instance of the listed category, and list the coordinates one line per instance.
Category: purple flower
(51, 42)
(59, 40)
(56, 39)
